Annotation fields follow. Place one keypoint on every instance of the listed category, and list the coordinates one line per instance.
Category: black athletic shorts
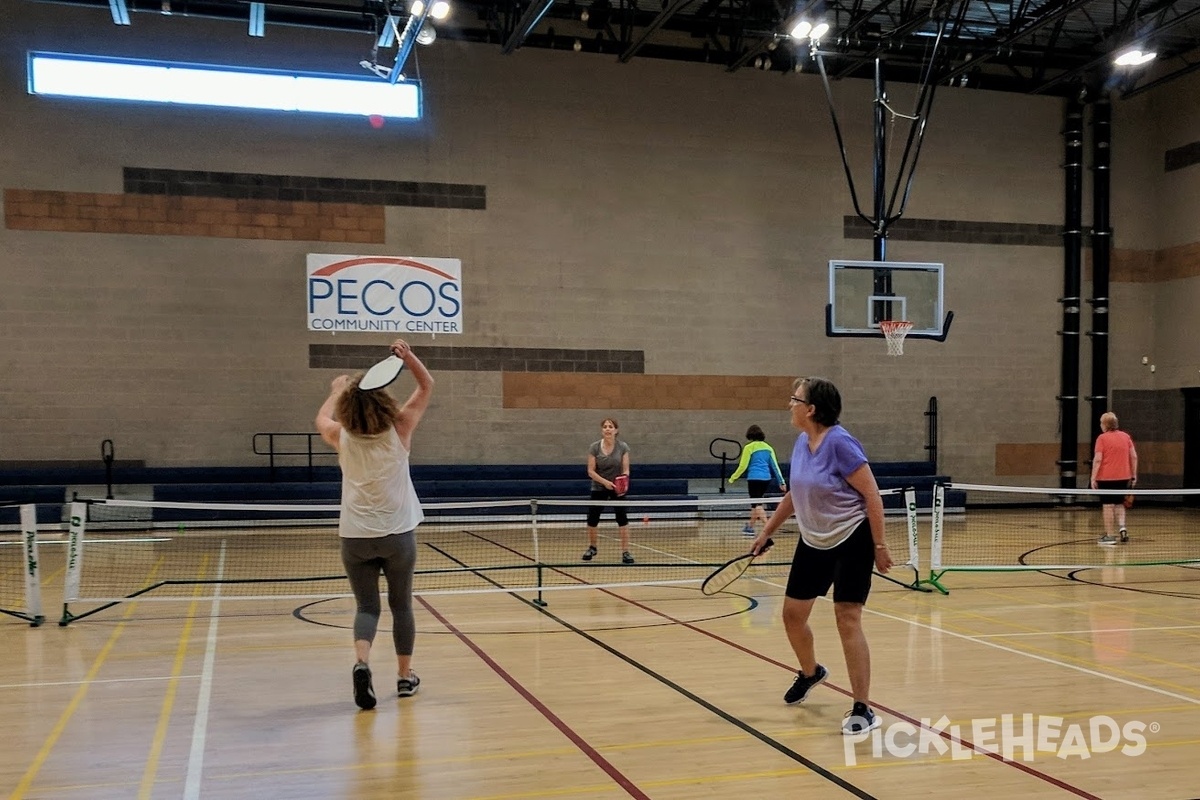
(846, 567)
(621, 512)
(757, 488)
(1112, 499)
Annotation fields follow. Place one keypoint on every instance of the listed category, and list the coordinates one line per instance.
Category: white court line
(1044, 659)
(1086, 630)
(191, 789)
(1166, 693)
(77, 683)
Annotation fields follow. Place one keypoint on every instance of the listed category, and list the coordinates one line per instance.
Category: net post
(537, 552)
(29, 551)
(74, 570)
(935, 543)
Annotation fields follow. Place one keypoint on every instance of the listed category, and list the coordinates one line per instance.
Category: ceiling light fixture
(1134, 57)
(439, 10)
(806, 29)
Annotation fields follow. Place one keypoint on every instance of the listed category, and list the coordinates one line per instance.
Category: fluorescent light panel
(95, 77)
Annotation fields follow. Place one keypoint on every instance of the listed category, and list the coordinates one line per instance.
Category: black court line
(730, 718)
(899, 715)
(1073, 575)
(301, 611)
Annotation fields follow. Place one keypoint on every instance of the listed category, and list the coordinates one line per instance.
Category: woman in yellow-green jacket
(762, 471)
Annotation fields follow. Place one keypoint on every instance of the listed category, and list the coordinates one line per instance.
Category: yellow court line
(654, 784)
(511, 756)
(50, 579)
(61, 725)
(150, 773)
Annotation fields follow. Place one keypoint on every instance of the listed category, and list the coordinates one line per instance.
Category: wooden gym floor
(645, 692)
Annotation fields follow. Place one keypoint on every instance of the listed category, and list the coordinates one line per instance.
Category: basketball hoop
(895, 331)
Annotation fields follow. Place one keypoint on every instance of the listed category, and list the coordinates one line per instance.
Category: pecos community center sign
(398, 294)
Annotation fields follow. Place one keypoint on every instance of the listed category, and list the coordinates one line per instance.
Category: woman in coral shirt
(1115, 466)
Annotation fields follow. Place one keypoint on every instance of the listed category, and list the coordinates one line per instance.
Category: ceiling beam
(529, 20)
(669, 11)
(1107, 55)
(758, 49)
(898, 33)
(1067, 7)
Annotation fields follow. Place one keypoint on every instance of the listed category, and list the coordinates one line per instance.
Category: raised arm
(775, 471)
(329, 428)
(743, 463)
(414, 408)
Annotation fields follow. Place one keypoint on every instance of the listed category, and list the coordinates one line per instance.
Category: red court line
(566, 730)
(899, 715)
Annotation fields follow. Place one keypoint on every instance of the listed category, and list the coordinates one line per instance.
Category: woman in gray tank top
(607, 459)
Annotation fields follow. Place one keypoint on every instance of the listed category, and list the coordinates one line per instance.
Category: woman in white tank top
(372, 433)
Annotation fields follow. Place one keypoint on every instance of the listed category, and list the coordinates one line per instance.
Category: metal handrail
(724, 456)
(273, 450)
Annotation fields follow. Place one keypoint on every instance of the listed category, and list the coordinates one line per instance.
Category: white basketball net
(895, 331)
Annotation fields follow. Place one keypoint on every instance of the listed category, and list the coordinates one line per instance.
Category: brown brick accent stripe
(258, 186)
(484, 359)
(658, 392)
(1016, 459)
(1180, 157)
(959, 230)
(84, 212)
(1155, 266)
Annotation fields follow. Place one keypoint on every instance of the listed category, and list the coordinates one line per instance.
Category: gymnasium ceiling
(1053, 47)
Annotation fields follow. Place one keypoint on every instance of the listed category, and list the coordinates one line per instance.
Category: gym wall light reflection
(97, 77)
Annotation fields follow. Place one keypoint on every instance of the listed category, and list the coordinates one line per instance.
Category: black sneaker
(590, 553)
(1124, 535)
(860, 719)
(407, 687)
(626, 558)
(803, 685)
(364, 694)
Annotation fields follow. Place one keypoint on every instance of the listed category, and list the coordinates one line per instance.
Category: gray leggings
(395, 556)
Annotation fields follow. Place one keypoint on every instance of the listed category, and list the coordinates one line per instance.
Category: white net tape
(895, 331)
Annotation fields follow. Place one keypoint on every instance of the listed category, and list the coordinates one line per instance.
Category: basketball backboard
(863, 294)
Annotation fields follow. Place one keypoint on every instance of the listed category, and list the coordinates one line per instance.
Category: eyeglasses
(795, 399)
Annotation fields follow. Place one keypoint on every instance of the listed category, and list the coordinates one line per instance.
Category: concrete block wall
(661, 209)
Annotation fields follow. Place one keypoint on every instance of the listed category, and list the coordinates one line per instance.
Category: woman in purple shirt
(836, 502)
